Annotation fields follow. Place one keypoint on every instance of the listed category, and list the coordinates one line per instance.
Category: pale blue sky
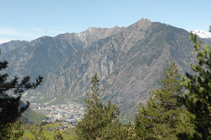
(30, 19)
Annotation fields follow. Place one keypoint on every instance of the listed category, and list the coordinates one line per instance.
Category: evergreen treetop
(10, 109)
(97, 116)
(163, 116)
(198, 100)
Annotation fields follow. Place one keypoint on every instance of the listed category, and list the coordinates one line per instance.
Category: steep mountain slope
(129, 65)
(41, 55)
(31, 116)
(206, 40)
(6, 47)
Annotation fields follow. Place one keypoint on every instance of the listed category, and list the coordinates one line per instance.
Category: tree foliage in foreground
(164, 115)
(119, 131)
(39, 135)
(198, 100)
(10, 109)
(58, 136)
(99, 120)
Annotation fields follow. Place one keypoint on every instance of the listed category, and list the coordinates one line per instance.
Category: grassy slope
(48, 134)
(33, 116)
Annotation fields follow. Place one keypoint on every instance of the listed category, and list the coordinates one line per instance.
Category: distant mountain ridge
(129, 62)
(202, 34)
(6, 47)
(93, 34)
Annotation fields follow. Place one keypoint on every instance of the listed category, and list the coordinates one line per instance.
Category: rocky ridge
(40, 56)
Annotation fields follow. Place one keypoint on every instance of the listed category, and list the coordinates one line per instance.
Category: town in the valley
(70, 112)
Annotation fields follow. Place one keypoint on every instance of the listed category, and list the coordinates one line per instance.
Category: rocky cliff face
(129, 64)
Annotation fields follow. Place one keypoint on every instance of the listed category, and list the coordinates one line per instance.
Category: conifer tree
(58, 136)
(17, 131)
(97, 116)
(198, 100)
(119, 131)
(39, 135)
(164, 115)
(10, 109)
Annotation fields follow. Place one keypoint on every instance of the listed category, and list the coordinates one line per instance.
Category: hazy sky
(30, 19)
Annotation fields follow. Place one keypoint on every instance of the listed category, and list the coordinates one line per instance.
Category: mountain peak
(143, 24)
(144, 19)
(202, 33)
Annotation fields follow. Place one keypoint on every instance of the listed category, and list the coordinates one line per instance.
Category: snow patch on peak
(146, 18)
(90, 29)
(81, 36)
(202, 33)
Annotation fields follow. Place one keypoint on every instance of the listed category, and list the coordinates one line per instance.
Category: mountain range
(129, 62)
(6, 47)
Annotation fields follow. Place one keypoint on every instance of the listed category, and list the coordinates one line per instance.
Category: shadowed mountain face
(206, 40)
(129, 65)
(129, 62)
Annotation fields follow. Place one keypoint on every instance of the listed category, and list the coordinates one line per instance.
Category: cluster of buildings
(71, 113)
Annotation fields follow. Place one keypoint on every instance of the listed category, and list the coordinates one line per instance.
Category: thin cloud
(8, 31)
(4, 40)
(38, 29)
(56, 31)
